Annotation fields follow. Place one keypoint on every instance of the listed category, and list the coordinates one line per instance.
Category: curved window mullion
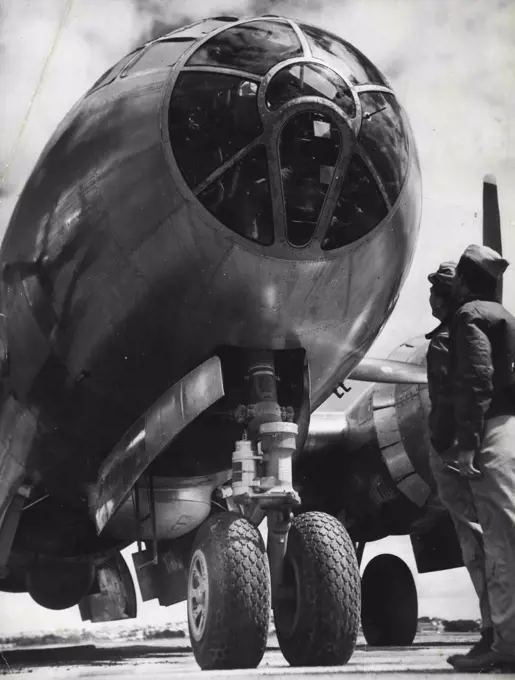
(360, 89)
(366, 159)
(226, 71)
(276, 185)
(333, 192)
(359, 209)
(306, 47)
(310, 149)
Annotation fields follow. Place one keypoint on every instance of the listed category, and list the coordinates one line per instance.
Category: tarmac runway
(175, 660)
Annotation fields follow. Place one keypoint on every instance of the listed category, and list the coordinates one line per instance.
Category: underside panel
(151, 434)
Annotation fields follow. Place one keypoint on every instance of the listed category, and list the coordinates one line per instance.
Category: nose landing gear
(308, 575)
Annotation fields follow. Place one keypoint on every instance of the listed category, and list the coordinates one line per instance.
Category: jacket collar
(459, 303)
(452, 311)
(443, 325)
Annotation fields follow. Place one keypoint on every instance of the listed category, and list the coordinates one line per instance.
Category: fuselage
(133, 254)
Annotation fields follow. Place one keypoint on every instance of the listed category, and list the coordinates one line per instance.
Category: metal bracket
(341, 390)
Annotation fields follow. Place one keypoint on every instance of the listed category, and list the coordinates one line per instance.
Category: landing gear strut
(311, 577)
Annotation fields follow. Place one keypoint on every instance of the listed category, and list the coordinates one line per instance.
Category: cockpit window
(212, 116)
(158, 55)
(342, 56)
(201, 28)
(359, 209)
(384, 138)
(240, 198)
(309, 80)
(309, 149)
(255, 47)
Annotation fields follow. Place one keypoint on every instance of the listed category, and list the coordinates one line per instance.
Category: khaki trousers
(483, 512)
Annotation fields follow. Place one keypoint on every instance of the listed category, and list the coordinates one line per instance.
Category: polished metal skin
(148, 237)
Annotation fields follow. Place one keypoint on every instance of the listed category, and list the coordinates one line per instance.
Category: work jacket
(481, 368)
(441, 416)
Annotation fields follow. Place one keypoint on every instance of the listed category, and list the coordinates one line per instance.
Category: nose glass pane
(240, 198)
(383, 136)
(309, 80)
(212, 116)
(359, 209)
(163, 54)
(342, 56)
(255, 47)
(309, 148)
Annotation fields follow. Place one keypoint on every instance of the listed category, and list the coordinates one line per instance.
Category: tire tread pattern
(239, 608)
(330, 586)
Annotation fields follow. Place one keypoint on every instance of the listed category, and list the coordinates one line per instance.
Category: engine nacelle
(401, 413)
(370, 465)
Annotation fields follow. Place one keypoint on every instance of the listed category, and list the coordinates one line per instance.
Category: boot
(485, 663)
(481, 647)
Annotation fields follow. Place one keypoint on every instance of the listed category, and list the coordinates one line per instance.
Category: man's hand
(461, 462)
(466, 465)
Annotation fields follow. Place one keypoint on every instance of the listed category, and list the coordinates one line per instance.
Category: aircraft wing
(389, 371)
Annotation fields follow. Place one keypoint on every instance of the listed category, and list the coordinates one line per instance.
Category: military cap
(487, 259)
(443, 277)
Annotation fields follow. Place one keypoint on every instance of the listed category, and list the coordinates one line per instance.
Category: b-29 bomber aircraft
(207, 247)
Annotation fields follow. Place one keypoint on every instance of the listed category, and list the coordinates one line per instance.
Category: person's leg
(456, 495)
(494, 496)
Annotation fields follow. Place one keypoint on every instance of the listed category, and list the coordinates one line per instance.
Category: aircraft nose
(267, 136)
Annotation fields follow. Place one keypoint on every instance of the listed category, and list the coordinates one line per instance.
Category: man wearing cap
(453, 490)
(440, 418)
(482, 380)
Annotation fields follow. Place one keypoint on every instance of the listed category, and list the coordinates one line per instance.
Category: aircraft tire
(228, 594)
(389, 602)
(317, 618)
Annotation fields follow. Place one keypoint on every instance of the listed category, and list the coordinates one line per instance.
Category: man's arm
(473, 381)
(441, 417)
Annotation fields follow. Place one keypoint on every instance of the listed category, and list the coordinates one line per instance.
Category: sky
(452, 65)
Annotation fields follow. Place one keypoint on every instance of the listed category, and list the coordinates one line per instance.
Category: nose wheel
(317, 608)
(228, 594)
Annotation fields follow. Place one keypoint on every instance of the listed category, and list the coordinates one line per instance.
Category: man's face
(438, 304)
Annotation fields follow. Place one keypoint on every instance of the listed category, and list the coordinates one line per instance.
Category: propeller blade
(492, 236)
(389, 371)
(491, 216)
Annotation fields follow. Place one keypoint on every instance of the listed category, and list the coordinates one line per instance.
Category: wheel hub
(198, 594)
